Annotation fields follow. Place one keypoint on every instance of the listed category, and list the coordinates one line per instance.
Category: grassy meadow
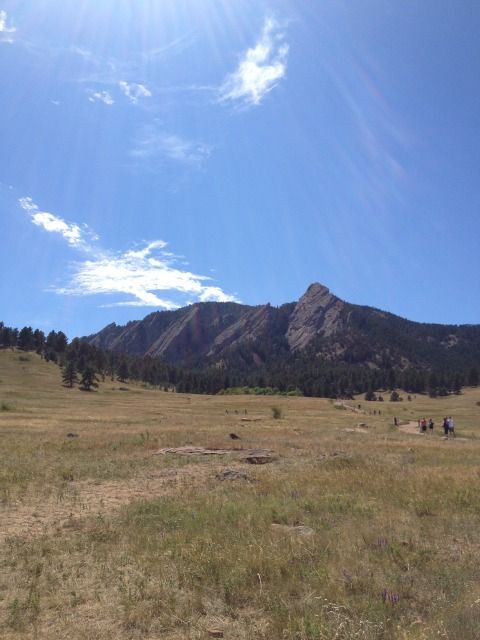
(352, 532)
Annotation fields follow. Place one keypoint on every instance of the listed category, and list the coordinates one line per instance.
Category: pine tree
(69, 374)
(122, 373)
(26, 341)
(89, 379)
(473, 377)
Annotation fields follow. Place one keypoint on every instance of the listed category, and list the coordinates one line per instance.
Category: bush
(276, 413)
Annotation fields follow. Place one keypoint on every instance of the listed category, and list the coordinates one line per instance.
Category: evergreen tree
(89, 379)
(473, 377)
(26, 341)
(39, 340)
(122, 372)
(69, 374)
(457, 383)
(432, 385)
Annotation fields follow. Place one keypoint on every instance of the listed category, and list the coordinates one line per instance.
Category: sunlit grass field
(350, 533)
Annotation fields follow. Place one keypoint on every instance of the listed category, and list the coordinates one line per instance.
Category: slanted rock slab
(299, 530)
(258, 456)
(191, 451)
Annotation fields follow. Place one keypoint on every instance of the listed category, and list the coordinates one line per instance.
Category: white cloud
(134, 91)
(101, 96)
(259, 70)
(141, 273)
(4, 28)
(154, 144)
(74, 235)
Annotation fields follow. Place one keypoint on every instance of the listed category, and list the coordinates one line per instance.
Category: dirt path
(411, 428)
(349, 407)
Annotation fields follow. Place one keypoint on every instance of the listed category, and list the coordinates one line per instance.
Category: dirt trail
(410, 427)
(349, 407)
(86, 499)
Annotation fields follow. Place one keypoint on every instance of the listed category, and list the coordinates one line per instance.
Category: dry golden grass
(101, 540)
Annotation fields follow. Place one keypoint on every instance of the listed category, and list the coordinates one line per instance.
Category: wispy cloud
(5, 30)
(155, 144)
(144, 275)
(76, 236)
(149, 275)
(260, 68)
(134, 91)
(101, 96)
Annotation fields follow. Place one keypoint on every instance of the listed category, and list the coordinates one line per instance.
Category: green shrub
(276, 412)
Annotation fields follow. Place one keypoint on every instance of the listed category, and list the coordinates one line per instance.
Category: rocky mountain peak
(317, 313)
(316, 291)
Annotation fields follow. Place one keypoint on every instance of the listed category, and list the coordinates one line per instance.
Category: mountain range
(319, 327)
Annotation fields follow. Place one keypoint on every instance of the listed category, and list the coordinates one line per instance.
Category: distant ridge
(319, 326)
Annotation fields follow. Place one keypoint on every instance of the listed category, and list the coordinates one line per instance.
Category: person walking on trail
(445, 426)
(395, 421)
(451, 427)
(431, 424)
(423, 425)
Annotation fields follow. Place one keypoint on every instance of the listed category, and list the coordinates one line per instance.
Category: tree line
(84, 365)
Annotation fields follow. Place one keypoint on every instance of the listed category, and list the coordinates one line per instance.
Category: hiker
(395, 421)
(431, 424)
(445, 426)
(451, 426)
(424, 425)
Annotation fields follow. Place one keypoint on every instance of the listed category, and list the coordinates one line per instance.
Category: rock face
(247, 328)
(186, 335)
(318, 313)
(208, 330)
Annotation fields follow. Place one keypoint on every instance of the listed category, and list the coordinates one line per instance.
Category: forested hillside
(320, 346)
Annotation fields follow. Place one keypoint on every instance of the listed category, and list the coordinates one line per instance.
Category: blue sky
(155, 153)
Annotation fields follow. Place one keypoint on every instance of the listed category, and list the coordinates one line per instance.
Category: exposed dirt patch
(410, 427)
(85, 499)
